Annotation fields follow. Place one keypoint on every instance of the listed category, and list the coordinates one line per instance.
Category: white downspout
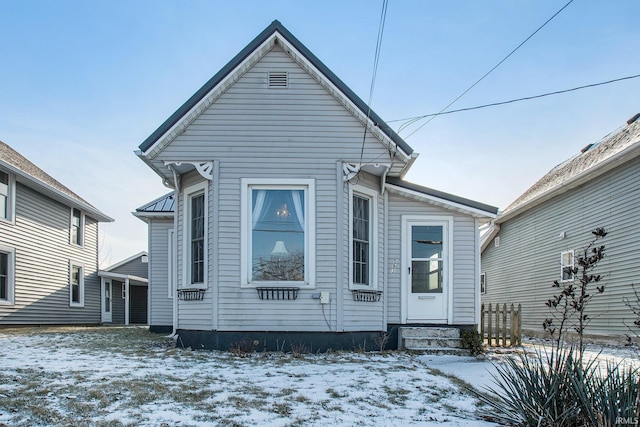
(126, 301)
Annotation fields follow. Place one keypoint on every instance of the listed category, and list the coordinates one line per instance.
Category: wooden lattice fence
(501, 326)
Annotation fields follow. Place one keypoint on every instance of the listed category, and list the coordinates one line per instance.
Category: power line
(376, 60)
(487, 73)
(526, 98)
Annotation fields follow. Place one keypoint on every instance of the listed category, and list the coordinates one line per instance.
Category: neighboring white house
(48, 248)
(526, 248)
(292, 221)
(125, 297)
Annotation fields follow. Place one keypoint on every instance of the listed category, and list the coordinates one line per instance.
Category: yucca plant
(557, 388)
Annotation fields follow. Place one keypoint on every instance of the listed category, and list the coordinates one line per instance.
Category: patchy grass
(129, 377)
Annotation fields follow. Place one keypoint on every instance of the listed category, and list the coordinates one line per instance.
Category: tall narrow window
(4, 276)
(566, 266)
(197, 239)
(76, 285)
(76, 226)
(361, 240)
(4, 195)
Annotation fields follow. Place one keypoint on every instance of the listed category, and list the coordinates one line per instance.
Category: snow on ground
(127, 376)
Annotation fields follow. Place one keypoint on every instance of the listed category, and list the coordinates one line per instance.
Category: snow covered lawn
(127, 376)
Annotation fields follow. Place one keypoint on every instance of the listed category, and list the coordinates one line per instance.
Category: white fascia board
(601, 168)
(248, 62)
(54, 193)
(124, 261)
(208, 99)
(447, 204)
(110, 275)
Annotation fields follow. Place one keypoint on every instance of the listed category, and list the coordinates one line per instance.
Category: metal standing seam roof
(16, 160)
(590, 158)
(164, 203)
(275, 26)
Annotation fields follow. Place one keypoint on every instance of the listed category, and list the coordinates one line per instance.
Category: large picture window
(278, 233)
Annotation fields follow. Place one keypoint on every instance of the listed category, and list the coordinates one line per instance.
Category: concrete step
(428, 332)
(426, 343)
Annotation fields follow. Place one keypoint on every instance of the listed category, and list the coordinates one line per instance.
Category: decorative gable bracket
(204, 168)
(349, 171)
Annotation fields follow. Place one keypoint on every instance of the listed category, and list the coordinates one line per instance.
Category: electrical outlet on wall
(324, 297)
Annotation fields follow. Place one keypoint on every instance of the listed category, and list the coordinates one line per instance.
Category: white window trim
(11, 202)
(483, 283)
(11, 261)
(373, 236)
(81, 231)
(81, 265)
(562, 266)
(188, 194)
(310, 229)
(171, 258)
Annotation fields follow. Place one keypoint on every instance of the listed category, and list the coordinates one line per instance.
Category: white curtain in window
(258, 207)
(296, 197)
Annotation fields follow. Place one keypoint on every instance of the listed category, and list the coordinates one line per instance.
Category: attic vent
(278, 79)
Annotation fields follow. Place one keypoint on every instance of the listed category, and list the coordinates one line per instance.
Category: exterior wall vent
(278, 79)
(496, 242)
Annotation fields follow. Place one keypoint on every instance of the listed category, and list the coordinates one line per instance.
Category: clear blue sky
(83, 83)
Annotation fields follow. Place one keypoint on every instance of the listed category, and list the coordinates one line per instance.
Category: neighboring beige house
(48, 248)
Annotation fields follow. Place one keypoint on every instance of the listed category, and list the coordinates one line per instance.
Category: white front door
(107, 303)
(426, 265)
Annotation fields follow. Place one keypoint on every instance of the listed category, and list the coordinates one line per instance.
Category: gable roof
(276, 28)
(32, 176)
(126, 261)
(440, 198)
(593, 161)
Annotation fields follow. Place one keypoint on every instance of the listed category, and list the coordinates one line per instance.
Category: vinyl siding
(135, 267)
(40, 236)
(463, 278)
(523, 267)
(249, 131)
(161, 306)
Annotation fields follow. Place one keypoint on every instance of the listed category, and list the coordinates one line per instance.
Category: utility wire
(526, 98)
(485, 75)
(383, 17)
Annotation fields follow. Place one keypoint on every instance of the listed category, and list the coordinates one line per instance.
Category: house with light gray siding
(48, 248)
(159, 216)
(542, 231)
(291, 219)
(125, 297)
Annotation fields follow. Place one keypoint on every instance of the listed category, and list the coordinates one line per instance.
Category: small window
(278, 79)
(76, 227)
(483, 283)
(5, 196)
(6, 275)
(76, 285)
(566, 264)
